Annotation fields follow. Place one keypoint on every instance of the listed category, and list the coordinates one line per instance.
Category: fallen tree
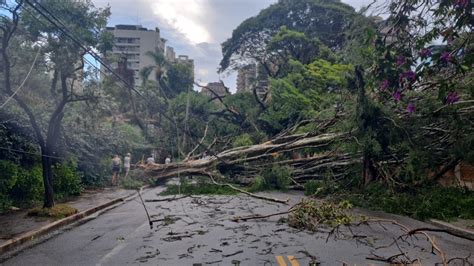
(249, 160)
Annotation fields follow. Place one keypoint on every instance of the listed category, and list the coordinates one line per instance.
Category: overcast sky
(193, 27)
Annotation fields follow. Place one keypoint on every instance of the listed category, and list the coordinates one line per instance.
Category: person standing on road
(168, 159)
(115, 169)
(126, 163)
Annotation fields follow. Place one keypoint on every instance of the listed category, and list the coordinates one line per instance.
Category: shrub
(29, 187)
(278, 177)
(5, 203)
(428, 201)
(8, 176)
(130, 183)
(311, 187)
(66, 180)
(242, 140)
(258, 184)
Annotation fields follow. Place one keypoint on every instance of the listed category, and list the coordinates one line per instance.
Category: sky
(194, 27)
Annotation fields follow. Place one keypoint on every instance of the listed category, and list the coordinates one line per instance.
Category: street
(198, 230)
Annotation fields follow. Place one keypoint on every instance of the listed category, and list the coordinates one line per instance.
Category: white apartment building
(134, 41)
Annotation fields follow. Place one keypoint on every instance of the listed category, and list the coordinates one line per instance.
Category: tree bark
(237, 157)
(46, 161)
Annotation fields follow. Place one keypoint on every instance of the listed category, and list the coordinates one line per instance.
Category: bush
(29, 187)
(130, 183)
(5, 203)
(258, 184)
(8, 176)
(66, 180)
(429, 201)
(278, 177)
(18, 185)
(242, 140)
(311, 187)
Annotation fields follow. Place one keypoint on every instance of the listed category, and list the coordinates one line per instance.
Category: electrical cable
(99, 59)
(24, 80)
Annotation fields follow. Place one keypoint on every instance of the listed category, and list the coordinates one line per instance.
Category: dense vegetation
(399, 89)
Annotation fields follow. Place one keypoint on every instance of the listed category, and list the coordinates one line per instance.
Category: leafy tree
(326, 20)
(58, 55)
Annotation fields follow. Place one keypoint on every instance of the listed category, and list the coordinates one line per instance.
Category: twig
(246, 192)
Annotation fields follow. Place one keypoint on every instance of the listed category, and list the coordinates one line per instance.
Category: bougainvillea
(423, 47)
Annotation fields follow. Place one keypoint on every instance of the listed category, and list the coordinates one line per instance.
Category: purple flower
(397, 96)
(461, 3)
(446, 57)
(408, 75)
(401, 60)
(425, 52)
(384, 85)
(411, 108)
(452, 97)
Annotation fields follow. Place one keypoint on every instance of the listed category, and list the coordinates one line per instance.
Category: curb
(35, 233)
(451, 227)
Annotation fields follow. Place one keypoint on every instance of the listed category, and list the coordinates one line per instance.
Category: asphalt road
(197, 230)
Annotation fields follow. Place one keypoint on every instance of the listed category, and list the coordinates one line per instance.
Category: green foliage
(29, 187)
(179, 79)
(310, 215)
(306, 92)
(8, 176)
(66, 180)
(199, 188)
(242, 140)
(130, 183)
(19, 185)
(326, 20)
(321, 187)
(275, 177)
(429, 201)
(258, 184)
(5, 203)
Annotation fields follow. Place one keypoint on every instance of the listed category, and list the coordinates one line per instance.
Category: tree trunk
(368, 171)
(47, 178)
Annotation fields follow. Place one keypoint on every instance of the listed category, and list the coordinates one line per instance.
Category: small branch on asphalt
(168, 199)
(211, 176)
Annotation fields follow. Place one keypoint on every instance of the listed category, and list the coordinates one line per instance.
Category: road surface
(198, 231)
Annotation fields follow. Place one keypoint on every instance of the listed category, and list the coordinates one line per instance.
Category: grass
(428, 201)
(129, 183)
(58, 211)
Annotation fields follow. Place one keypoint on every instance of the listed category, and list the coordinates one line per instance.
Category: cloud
(193, 27)
(185, 16)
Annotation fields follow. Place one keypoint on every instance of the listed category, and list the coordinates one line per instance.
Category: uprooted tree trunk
(251, 159)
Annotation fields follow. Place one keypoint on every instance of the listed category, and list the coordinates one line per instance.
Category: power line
(31, 153)
(66, 31)
(24, 80)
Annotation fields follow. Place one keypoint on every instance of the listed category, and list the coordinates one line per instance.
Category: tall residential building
(246, 76)
(170, 55)
(217, 88)
(253, 77)
(133, 42)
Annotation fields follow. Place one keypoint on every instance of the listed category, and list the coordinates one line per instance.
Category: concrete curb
(451, 227)
(33, 234)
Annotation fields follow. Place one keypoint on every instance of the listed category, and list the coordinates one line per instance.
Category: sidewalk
(18, 222)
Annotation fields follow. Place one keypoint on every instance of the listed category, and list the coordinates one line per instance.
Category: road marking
(293, 261)
(119, 247)
(281, 261)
